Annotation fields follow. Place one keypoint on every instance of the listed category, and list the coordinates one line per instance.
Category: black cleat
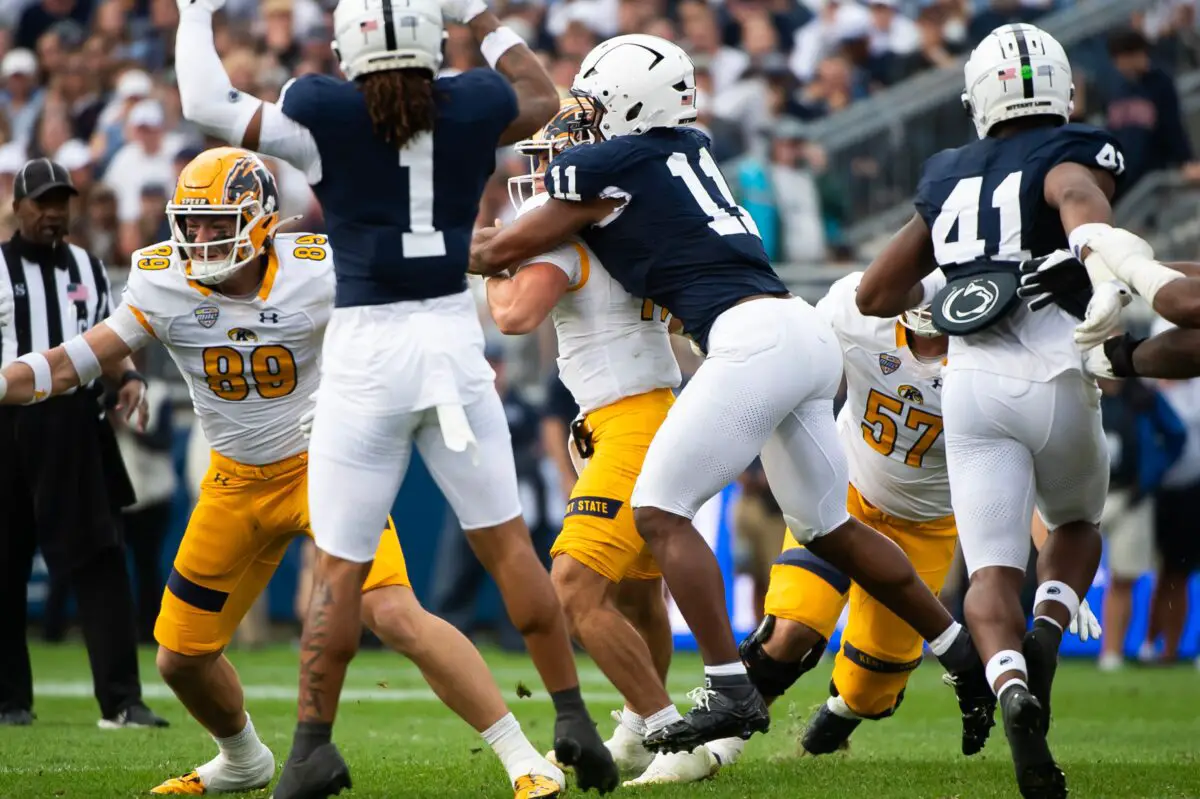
(729, 710)
(134, 716)
(967, 676)
(16, 718)
(1040, 648)
(320, 775)
(577, 744)
(827, 732)
(1038, 776)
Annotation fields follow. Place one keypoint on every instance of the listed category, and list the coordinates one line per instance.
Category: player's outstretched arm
(896, 280)
(522, 302)
(495, 249)
(537, 99)
(38, 376)
(210, 100)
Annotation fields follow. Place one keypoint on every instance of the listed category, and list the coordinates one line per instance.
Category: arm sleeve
(286, 139)
(132, 325)
(205, 91)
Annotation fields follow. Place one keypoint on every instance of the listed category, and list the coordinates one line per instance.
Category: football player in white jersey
(615, 357)
(242, 311)
(1022, 416)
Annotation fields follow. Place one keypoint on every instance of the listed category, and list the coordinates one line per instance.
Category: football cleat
(577, 744)
(728, 711)
(189, 784)
(827, 732)
(133, 716)
(320, 775)
(676, 767)
(535, 786)
(1038, 776)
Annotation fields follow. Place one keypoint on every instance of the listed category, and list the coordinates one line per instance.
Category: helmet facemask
(210, 262)
(554, 138)
(919, 321)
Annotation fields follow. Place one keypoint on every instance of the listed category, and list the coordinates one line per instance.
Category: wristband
(80, 354)
(131, 375)
(497, 43)
(43, 381)
(1079, 236)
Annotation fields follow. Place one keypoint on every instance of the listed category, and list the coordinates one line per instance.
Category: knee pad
(871, 687)
(771, 677)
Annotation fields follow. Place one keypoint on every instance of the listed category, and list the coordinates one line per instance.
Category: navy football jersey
(400, 221)
(680, 240)
(986, 201)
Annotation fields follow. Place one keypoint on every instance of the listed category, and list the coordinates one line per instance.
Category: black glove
(1119, 351)
(1052, 278)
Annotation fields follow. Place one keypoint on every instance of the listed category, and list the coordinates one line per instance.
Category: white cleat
(676, 767)
(630, 755)
(727, 751)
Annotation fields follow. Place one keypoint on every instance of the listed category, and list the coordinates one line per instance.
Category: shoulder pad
(584, 172)
(304, 97)
(156, 284)
(1086, 145)
(307, 261)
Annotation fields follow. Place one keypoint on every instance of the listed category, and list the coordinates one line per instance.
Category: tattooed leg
(330, 640)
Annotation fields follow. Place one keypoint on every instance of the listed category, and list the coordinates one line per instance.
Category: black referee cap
(40, 176)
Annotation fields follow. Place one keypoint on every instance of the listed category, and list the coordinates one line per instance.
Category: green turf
(1131, 734)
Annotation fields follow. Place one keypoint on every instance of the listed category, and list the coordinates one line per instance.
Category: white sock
(1005, 660)
(940, 645)
(656, 721)
(511, 746)
(1013, 683)
(838, 707)
(1050, 620)
(1063, 594)
(633, 722)
(240, 747)
(726, 669)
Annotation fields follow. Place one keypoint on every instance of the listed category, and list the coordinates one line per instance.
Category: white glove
(306, 418)
(1085, 624)
(460, 11)
(1103, 314)
(1097, 364)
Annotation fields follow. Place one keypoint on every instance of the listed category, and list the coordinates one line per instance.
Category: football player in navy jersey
(1021, 413)
(648, 199)
(398, 159)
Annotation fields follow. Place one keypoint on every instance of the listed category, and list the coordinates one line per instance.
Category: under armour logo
(264, 317)
(937, 383)
(221, 479)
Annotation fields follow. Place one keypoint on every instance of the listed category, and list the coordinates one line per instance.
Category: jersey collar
(268, 280)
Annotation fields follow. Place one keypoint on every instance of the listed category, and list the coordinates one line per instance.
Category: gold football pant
(239, 530)
(598, 529)
(878, 650)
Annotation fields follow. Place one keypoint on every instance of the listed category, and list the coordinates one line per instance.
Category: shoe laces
(700, 696)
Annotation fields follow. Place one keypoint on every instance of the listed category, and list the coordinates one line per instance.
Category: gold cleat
(189, 784)
(535, 786)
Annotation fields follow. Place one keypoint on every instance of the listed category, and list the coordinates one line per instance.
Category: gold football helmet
(225, 184)
(540, 149)
(920, 322)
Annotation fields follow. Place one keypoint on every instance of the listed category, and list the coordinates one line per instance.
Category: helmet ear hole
(966, 103)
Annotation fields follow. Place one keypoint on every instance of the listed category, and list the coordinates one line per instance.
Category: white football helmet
(630, 84)
(920, 322)
(1018, 70)
(380, 35)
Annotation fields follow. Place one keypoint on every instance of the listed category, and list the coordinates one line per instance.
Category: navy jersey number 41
(986, 201)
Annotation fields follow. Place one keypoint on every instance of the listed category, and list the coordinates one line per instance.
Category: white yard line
(267, 693)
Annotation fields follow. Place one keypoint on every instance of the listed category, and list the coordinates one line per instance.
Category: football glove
(1085, 624)
(462, 11)
(306, 418)
(1103, 314)
(1055, 275)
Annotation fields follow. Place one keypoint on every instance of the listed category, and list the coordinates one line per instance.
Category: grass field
(1135, 733)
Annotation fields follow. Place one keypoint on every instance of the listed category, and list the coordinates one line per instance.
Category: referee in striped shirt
(62, 481)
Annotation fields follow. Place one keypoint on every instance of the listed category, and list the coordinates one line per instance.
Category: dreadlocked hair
(400, 102)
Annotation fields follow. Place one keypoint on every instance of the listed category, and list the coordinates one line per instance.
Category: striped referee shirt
(52, 303)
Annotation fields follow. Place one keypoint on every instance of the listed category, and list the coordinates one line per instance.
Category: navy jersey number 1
(422, 239)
